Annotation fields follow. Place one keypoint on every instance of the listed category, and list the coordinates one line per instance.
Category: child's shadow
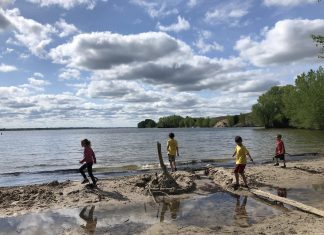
(101, 193)
(114, 195)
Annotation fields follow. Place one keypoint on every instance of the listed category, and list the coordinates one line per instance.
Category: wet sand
(124, 191)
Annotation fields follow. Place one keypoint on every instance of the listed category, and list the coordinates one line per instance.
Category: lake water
(44, 155)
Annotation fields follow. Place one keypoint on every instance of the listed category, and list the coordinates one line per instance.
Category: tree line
(176, 121)
(300, 105)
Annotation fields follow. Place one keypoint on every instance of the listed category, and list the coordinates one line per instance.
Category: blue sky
(111, 63)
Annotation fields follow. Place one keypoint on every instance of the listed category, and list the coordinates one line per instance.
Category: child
(280, 151)
(240, 153)
(89, 158)
(172, 148)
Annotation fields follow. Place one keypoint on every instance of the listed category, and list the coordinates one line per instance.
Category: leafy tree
(305, 103)
(269, 109)
(319, 40)
(148, 123)
(300, 106)
(170, 121)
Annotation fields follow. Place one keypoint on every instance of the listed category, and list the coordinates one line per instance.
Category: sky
(114, 63)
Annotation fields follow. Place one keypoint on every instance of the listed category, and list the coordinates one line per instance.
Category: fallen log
(287, 201)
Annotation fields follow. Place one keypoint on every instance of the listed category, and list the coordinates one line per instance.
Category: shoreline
(21, 178)
(300, 178)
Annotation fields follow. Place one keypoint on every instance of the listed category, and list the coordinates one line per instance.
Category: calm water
(131, 219)
(42, 156)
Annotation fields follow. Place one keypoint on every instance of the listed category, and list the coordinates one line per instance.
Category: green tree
(170, 121)
(199, 122)
(242, 120)
(319, 40)
(305, 102)
(147, 123)
(269, 109)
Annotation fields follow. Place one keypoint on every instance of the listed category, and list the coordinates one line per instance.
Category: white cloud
(102, 50)
(203, 44)
(40, 75)
(66, 29)
(288, 3)
(157, 9)
(29, 33)
(157, 59)
(288, 41)
(230, 13)
(7, 68)
(181, 25)
(38, 82)
(12, 91)
(192, 3)
(66, 4)
(68, 73)
(5, 3)
(35, 85)
(8, 51)
(4, 21)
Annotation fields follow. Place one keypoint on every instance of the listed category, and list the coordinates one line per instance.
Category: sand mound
(181, 182)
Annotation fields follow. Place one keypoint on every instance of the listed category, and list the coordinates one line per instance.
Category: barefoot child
(240, 153)
(173, 150)
(280, 151)
(88, 159)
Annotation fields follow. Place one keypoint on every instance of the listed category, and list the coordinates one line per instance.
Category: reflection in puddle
(318, 187)
(312, 195)
(172, 205)
(91, 222)
(241, 216)
(212, 211)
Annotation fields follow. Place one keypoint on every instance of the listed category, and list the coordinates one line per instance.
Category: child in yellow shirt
(173, 150)
(240, 153)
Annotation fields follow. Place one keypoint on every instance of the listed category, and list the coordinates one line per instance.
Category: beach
(134, 190)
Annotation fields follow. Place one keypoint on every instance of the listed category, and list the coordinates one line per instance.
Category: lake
(38, 156)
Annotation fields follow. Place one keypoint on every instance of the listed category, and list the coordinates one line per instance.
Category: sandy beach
(125, 191)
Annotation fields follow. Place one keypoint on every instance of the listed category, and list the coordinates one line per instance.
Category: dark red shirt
(280, 147)
(88, 155)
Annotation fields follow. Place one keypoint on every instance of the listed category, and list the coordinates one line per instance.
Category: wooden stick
(287, 201)
(163, 166)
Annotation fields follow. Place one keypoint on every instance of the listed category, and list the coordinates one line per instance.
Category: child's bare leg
(171, 165)
(244, 178)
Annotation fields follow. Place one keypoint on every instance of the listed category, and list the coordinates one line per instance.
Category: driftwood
(164, 168)
(287, 201)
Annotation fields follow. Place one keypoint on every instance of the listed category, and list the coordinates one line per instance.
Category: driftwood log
(287, 201)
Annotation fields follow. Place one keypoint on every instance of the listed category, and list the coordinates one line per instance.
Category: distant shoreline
(57, 128)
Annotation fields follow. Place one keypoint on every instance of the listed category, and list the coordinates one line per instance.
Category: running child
(240, 153)
(280, 151)
(173, 150)
(89, 159)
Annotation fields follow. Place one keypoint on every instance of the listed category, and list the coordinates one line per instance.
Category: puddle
(312, 194)
(212, 211)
